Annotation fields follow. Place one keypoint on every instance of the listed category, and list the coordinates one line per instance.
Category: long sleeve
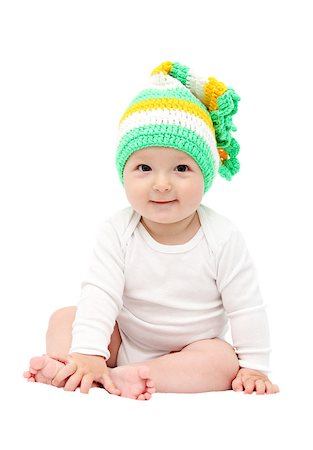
(242, 300)
(101, 296)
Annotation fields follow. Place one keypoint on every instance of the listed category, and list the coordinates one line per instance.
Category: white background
(68, 71)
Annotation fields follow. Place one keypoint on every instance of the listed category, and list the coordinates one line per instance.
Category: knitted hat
(181, 110)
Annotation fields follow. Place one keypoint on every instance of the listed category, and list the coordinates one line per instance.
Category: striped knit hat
(181, 110)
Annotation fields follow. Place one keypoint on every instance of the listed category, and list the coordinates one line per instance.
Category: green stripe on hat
(165, 135)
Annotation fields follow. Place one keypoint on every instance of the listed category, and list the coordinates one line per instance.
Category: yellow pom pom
(165, 67)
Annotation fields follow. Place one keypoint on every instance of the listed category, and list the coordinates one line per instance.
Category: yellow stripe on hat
(212, 90)
(165, 67)
(170, 103)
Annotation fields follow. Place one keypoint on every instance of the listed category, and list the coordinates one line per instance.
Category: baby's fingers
(86, 383)
(249, 384)
(73, 382)
(58, 357)
(260, 387)
(65, 372)
(271, 388)
(237, 384)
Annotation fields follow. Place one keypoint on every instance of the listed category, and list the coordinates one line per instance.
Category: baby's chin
(161, 214)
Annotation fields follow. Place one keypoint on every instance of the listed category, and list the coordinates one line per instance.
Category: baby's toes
(150, 386)
(144, 396)
(29, 376)
(149, 383)
(37, 363)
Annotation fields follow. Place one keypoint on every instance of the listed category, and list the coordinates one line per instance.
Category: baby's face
(154, 176)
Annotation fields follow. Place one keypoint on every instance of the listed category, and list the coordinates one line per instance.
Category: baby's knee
(66, 313)
(228, 358)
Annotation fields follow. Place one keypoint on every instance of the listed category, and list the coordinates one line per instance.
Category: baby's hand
(249, 380)
(82, 370)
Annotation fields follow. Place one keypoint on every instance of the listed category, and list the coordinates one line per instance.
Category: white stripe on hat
(172, 117)
(196, 85)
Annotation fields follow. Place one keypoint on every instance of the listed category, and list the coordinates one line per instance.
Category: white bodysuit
(165, 297)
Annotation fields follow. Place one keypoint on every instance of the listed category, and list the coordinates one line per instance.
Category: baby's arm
(242, 300)
(100, 302)
(82, 370)
(101, 296)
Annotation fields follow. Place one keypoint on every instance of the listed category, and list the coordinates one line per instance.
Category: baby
(168, 274)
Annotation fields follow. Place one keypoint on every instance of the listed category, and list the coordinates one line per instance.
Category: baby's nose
(162, 186)
(162, 181)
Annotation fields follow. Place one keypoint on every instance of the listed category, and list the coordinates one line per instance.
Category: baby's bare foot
(43, 369)
(133, 381)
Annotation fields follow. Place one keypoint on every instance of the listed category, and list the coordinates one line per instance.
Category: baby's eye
(143, 167)
(181, 168)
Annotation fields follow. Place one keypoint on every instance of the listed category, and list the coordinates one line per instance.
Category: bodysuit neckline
(168, 248)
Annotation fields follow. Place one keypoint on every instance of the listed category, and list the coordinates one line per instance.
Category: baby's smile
(162, 202)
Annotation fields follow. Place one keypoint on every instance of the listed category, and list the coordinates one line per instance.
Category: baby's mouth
(169, 201)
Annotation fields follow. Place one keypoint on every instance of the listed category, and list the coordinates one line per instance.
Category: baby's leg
(59, 334)
(58, 342)
(203, 366)
(137, 384)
